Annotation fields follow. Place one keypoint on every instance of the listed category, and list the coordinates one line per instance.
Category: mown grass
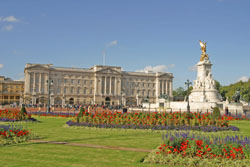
(54, 129)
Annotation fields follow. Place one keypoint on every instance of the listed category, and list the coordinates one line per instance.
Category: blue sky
(134, 34)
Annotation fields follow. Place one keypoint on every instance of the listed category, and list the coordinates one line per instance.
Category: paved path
(92, 145)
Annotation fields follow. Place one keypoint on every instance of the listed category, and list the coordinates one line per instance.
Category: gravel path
(92, 145)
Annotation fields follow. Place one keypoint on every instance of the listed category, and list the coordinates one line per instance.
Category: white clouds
(112, 43)
(243, 79)
(10, 19)
(1, 66)
(7, 28)
(193, 68)
(159, 68)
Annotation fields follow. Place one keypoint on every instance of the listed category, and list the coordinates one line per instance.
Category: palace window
(72, 90)
(58, 90)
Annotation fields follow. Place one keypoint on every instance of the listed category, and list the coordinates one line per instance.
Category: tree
(217, 85)
(246, 94)
(229, 91)
(179, 92)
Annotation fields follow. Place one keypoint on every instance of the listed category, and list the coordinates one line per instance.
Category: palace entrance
(71, 101)
(107, 101)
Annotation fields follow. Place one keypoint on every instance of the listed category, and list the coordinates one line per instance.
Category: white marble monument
(204, 89)
(204, 96)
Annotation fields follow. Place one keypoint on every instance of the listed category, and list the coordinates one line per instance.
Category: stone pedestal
(204, 89)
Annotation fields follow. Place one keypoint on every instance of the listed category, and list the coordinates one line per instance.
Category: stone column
(96, 85)
(119, 86)
(157, 88)
(45, 84)
(167, 87)
(110, 85)
(40, 82)
(34, 82)
(27, 82)
(162, 87)
(115, 86)
(105, 85)
(171, 88)
(100, 85)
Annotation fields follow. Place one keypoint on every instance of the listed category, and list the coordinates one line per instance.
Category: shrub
(23, 113)
(80, 114)
(216, 113)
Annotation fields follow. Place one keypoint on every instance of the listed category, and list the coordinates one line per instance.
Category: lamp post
(49, 83)
(148, 103)
(188, 83)
(121, 92)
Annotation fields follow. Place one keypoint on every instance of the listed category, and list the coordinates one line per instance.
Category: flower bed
(13, 134)
(156, 127)
(190, 145)
(12, 116)
(154, 121)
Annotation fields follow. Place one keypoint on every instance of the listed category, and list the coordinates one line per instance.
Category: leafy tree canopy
(229, 91)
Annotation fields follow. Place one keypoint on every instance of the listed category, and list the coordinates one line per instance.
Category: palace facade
(96, 85)
(10, 90)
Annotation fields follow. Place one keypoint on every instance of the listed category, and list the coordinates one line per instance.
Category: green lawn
(54, 129)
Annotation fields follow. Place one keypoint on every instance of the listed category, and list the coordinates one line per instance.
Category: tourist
(226, 111)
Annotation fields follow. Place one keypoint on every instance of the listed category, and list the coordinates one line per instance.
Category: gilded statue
(203, 50)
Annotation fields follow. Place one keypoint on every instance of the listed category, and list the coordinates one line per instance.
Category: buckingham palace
(99, 84)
